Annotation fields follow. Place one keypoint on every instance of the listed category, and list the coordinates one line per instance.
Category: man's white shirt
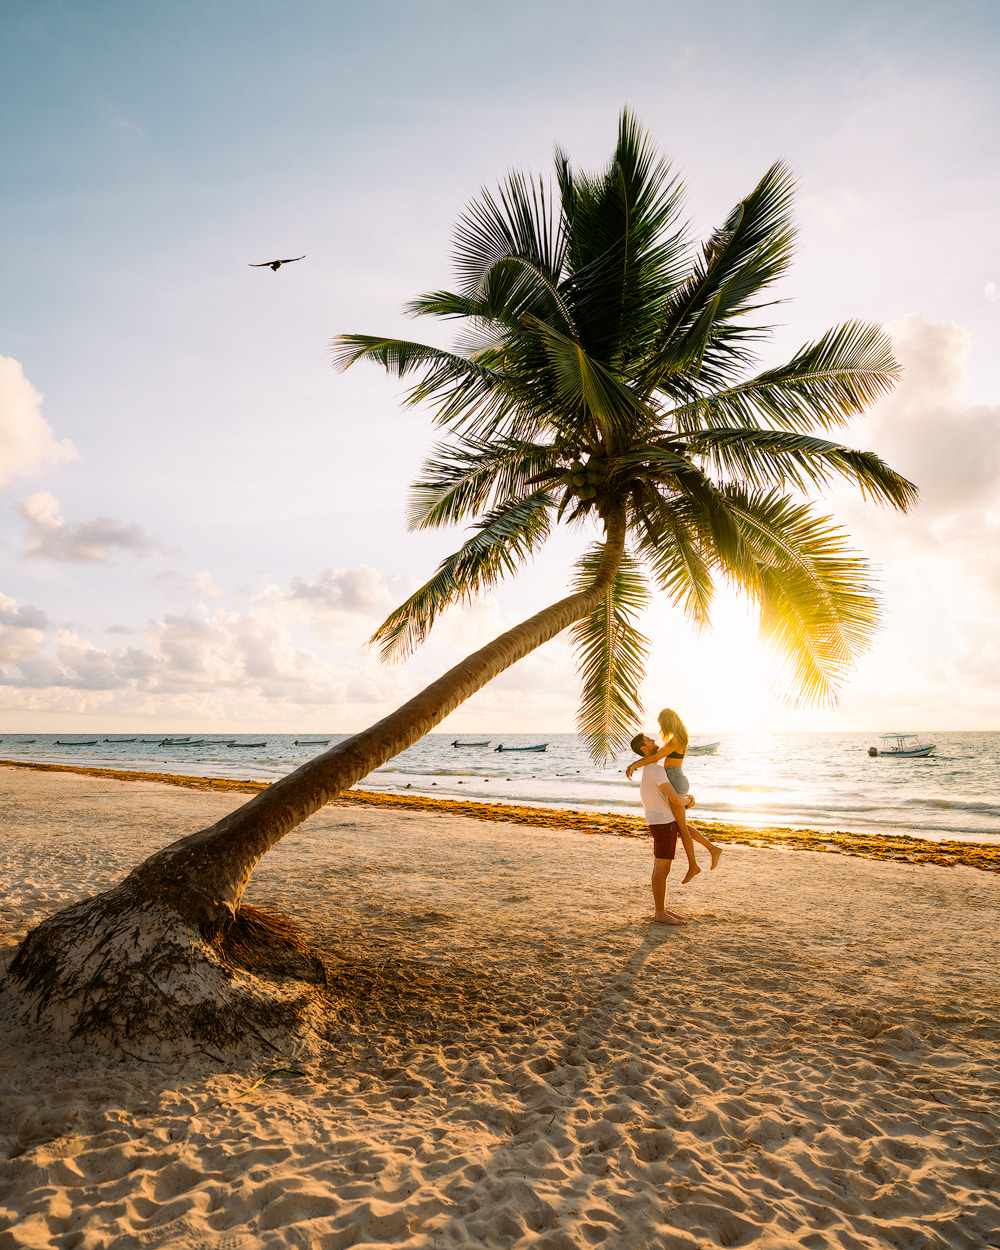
(653, 800)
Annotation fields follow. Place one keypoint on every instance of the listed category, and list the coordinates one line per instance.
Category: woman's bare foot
(716, 854)
(668, 917)
(692, 872)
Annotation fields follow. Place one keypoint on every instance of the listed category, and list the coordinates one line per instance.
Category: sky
(201, 521)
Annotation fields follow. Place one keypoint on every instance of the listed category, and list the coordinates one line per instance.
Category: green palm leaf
(462, 479)
(585, 384)
(503, 541)
(626, 246)
(825, 384)
(672, 541)
(611, 656)
(819, 610)
(738, 262)
(782, 457)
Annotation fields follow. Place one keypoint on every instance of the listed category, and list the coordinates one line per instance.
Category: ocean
(812, 781)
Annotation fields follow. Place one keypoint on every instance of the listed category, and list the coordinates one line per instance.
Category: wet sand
(516, 1056)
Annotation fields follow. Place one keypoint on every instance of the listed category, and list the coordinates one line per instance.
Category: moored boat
(902, 746)
(90, 742)
(456, 743)
(540, 747)
(236, 745)
(311, 742)
(706, 748)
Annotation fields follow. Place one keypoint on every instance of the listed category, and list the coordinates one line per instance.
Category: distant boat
(235, 745)
(182, 742)
(311, 742)
(169, 742)
(119, 739)
(91, 742)
(541, 747)
(156, 740)
(706, 748)
(456, 743)
(26, 741)
(902, 746)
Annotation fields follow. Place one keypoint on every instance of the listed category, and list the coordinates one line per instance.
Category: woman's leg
(679, 813)
(713, 849)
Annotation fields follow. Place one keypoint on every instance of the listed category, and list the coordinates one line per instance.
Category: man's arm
(671, 795)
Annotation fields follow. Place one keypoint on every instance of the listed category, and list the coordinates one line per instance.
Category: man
(657, 795)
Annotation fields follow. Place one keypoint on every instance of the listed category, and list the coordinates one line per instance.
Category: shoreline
(901, 848)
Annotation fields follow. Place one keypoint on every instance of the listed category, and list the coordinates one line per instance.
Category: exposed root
(137, 977)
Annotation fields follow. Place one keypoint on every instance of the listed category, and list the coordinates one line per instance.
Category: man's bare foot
(716, 853)
(668, 917)
(692, 872)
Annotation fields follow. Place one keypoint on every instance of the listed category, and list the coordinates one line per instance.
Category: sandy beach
(516, 1056)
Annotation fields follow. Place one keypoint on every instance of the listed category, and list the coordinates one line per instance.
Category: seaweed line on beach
(899, 847)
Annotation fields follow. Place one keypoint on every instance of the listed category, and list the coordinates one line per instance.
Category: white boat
(311, 742)
(706, 748)
(902, 746)
(456, 743)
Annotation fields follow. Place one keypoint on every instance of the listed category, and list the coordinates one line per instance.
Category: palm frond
(585, 384)
(502, 542)
(761, 457)
(825, 384)
(626, 246)
(739, 261)
(461, 479)
(678, 476)
(819, 610)
(671, 541)
(521, 221)
(509, 289)
(611, 656)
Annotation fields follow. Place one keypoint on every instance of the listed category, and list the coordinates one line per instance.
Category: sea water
(812, 781)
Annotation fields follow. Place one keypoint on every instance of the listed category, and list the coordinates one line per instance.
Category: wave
(957, 805)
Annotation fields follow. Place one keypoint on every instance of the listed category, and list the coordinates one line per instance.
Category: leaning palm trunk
(154, 958)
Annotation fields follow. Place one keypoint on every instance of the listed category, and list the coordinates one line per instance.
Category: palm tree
(604, 380)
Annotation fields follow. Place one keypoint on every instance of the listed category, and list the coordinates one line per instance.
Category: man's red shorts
(664, 840)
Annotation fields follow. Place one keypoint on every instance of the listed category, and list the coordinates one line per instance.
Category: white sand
(520, 1058)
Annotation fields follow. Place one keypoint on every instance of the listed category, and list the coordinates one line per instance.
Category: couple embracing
(666, 796)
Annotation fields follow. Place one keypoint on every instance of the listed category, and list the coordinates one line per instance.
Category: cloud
(49, 537)
(343, 590)
(27, 442)
(926, 430)
(21, 631)
(222, 664)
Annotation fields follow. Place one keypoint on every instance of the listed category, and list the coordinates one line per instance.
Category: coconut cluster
(584, 479)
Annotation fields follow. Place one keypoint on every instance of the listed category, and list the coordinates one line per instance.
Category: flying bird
(276, 264)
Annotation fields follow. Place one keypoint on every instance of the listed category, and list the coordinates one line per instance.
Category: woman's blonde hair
(671, 723)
